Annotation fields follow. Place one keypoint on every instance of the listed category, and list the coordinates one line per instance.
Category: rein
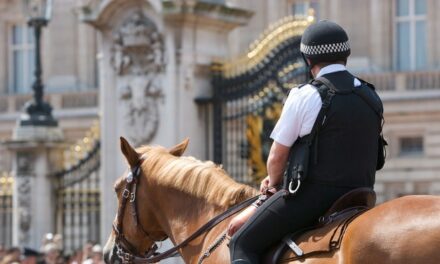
(126, 251)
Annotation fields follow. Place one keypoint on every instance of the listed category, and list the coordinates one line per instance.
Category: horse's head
(135, 228)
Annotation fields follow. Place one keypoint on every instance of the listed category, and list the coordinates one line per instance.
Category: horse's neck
(183, 215)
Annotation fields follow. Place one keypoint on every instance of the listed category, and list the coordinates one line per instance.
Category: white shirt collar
(331, 68)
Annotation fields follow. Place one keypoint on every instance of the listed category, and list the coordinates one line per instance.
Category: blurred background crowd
(51, 252)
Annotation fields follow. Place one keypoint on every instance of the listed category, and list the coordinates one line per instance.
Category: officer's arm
(276, 163)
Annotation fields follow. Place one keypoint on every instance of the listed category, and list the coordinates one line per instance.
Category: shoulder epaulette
(301, 85)
(366, 83)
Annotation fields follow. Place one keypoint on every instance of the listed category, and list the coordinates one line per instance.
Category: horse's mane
(204, 180)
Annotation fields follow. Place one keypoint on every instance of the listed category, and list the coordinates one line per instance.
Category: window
(411, 35)
(303, 8)
(411, 146)
(21, 59)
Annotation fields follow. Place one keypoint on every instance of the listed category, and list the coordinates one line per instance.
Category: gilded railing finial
(276, 33)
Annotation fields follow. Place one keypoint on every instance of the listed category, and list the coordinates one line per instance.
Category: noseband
(124, 249)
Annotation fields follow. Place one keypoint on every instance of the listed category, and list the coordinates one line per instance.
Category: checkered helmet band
(325, 48)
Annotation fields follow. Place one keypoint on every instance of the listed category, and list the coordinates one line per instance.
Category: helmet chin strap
(308, 67)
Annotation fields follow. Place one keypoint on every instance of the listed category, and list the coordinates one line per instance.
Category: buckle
(298, 251)
(125, 193)
(127, 256)
(119, 251)
(133, 193)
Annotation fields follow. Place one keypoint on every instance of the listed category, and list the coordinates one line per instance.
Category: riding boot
(240, 261)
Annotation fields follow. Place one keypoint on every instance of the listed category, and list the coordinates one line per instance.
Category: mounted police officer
(343, 150)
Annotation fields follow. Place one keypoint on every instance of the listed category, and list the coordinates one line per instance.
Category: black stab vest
(346, 148)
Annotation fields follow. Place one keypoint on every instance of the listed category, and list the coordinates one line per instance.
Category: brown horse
(176, 195)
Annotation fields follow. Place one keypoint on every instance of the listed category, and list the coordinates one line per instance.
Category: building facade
(91, 74)
(69, 62)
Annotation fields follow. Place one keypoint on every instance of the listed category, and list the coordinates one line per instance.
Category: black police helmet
(325, 41)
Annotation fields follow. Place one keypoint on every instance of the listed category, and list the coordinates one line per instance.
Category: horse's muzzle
(109, 251)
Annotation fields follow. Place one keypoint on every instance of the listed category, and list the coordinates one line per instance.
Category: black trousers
(279, 216)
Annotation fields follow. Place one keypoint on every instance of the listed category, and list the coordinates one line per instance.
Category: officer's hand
(240, 219)
(264, 184)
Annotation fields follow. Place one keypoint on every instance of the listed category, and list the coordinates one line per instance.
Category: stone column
(381, 34)
(86, 66)
(433, 32)
(34, 198)
(112, 162)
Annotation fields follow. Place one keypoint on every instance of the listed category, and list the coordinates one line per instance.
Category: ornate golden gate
(248, 95)
(78, 193)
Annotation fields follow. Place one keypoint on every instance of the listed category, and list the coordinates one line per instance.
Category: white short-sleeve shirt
(301, 109)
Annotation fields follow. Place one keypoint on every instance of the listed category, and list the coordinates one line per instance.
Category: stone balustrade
(404, 81)
(72, 100)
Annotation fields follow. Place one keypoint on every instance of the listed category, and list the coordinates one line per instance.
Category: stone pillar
(36, 153)
(433, 32)
(381, 34)
(86, 66)
(111, 164)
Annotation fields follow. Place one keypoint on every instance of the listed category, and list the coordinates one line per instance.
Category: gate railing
(248, 95)
(78, 195)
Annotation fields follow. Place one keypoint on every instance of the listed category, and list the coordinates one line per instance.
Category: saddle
(326, 236)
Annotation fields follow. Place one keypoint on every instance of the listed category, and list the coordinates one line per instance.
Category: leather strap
(205, 228)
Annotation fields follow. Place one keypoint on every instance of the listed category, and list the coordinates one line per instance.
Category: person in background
(96, 255)
(76, 257)
(12, 255)
(30, 256)
(2, 252)
(52, 253)
(87, 250)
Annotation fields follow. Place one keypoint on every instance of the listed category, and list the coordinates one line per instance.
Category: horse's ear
(130, 154)
(178, 149)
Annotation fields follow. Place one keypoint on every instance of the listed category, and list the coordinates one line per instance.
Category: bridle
(127, 253)
(124, 249)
